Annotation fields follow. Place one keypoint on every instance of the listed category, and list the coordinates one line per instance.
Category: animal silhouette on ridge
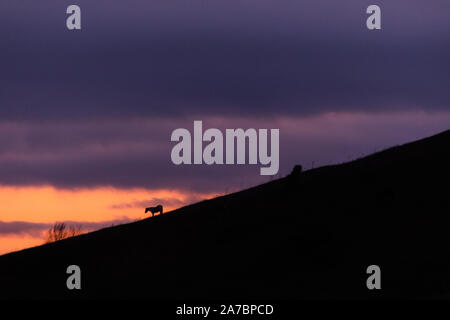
(153, 210)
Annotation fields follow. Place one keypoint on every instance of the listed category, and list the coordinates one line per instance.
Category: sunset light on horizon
(28, 212)
(227, 157)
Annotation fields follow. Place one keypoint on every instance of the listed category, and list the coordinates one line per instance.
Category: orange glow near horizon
(10, 243)
(47, 204)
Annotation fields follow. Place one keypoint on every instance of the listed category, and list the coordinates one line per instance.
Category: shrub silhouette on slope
(61, 230)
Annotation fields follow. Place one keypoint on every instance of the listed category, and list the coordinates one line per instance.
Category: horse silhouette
(153, 210)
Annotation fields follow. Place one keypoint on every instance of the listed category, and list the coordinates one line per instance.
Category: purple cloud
(168, 202)
(150, 59)
(137, 153)
(36, 229)
(96, 107)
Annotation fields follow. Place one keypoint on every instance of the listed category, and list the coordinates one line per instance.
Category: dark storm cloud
(146, 58)
(120, 154)
(96, 107)
(137, 153)
(37, 138)
(121, 168)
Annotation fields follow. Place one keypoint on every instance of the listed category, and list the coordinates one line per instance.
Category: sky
(86, 116)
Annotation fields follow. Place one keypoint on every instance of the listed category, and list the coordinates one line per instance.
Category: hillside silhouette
(309, 235)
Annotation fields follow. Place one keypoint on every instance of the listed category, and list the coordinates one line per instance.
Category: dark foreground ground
(300, 237)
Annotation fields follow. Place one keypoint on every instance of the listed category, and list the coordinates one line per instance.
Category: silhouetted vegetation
(60, 231)
(310, 235)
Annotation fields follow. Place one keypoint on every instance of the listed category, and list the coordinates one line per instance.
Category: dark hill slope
(311, 236)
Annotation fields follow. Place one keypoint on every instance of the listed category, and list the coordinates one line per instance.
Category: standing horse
(153, 210)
